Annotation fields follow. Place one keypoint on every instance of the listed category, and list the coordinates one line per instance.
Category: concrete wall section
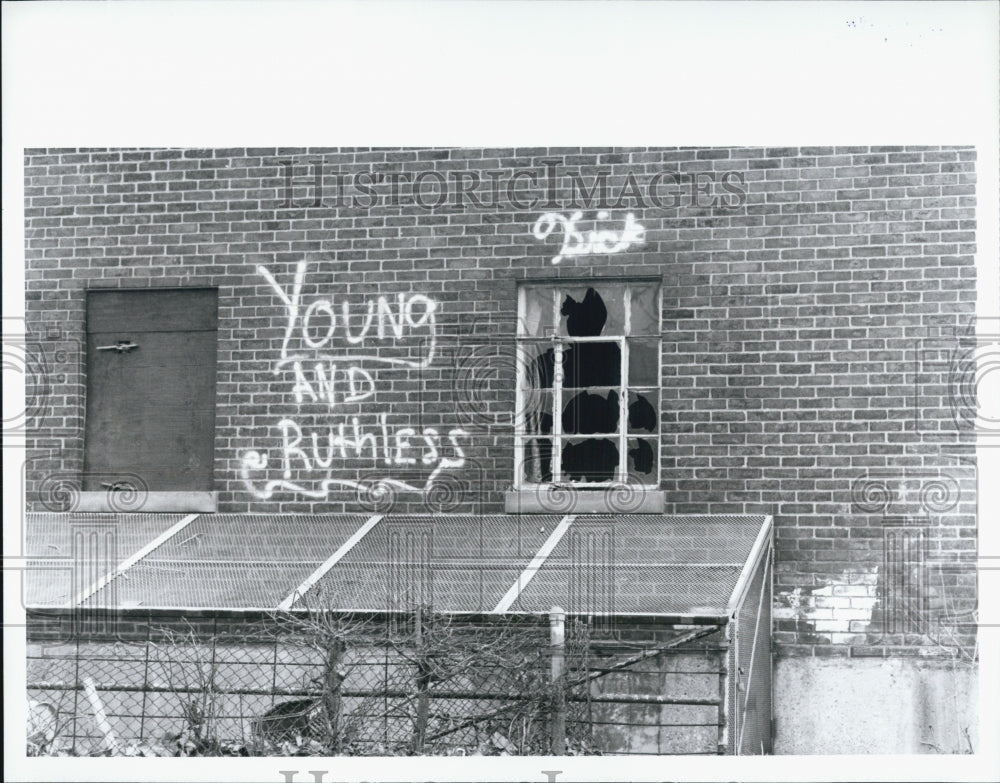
(893, 705)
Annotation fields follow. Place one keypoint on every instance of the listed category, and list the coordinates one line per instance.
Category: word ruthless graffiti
(403, 446)
(324, 349)
(316, 184)
(370, 444)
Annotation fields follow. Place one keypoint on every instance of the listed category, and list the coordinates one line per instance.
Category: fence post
(332, 702)
(423, 683)
(557, 640)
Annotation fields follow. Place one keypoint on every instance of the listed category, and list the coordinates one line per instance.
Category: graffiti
(394, 449)
(593, 242)
(323, 348)
(315, 327)
(359, 384)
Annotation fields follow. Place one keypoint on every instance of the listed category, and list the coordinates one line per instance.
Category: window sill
(565, 500)
(147, 502)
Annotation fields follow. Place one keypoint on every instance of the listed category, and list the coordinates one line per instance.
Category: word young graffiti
(323, 349)
(314, 328)
(594, 242)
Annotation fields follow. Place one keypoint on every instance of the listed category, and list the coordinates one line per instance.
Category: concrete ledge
(146, 502)
(557, 500)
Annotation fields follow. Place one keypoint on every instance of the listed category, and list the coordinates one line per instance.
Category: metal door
(151, 388)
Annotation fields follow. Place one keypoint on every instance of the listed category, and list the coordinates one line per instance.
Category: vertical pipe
(557, 640)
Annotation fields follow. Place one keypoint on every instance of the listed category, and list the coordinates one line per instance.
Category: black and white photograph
(603, 444)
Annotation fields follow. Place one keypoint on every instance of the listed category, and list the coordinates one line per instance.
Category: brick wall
(814, 299)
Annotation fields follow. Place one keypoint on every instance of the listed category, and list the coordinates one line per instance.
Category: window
(588, 385)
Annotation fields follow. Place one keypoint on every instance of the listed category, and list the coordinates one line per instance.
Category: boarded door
(151, 388)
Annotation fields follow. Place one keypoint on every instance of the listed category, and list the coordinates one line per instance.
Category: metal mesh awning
(642, 564)
(63, 551)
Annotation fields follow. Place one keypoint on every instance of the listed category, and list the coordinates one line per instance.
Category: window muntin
(591, 352)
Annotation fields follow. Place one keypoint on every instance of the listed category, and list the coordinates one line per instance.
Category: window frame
(560, 288)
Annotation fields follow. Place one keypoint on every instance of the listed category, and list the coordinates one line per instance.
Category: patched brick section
(796, 330)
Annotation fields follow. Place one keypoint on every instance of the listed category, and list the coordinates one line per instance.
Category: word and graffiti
(593, 242)
(323, 356)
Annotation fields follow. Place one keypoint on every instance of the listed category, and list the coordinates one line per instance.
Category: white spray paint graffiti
(593, 242)
(324, 365)
(413, 313)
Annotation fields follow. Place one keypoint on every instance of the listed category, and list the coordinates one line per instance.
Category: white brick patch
(842, 608)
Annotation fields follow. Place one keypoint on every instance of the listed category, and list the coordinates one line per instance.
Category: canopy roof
(642, 564)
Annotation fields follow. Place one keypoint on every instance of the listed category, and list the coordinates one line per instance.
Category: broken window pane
(592, 311)
(588, 380)
(587, 413)
(537, 365)
(536, 412)
(590, 459)
(645, 305)
(642, 411)
(537, 464)
(536, 318)
(644, 362)
(614, 300)
(642, 458)
(592, 364)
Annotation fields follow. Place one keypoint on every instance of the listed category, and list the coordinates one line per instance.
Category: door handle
(120, 347)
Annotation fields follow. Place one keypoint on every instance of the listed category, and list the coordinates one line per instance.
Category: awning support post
(557, 638)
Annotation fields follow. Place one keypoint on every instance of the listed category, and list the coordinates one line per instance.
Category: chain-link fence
(420, 683)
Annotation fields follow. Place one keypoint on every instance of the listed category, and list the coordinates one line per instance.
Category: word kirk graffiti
(330, 356)
(594, 242)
